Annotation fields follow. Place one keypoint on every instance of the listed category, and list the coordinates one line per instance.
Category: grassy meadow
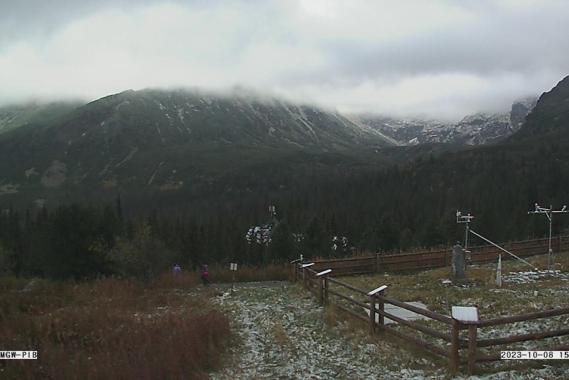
(480, 289)
(111, 328)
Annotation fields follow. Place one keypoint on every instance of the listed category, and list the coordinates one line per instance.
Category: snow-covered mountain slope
(477, 129)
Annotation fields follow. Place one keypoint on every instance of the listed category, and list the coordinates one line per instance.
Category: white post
(499, 271)
(466, 237)
(550, 252)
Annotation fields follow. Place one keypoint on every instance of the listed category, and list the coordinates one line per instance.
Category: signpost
(304, 266)
(323, 292)
(467, 315)
(233, 268)
(379, 310)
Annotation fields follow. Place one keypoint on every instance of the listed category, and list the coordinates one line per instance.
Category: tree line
(404, 206)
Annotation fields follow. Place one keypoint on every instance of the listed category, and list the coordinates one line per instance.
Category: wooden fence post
(465, 315)
(454, 346)
(326, 290)
(321, 290)
(322, 285)
(381, 308)
(472, 333)
(372, 299)
(304, 274)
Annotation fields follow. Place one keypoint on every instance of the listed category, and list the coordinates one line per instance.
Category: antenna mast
(466, 219)
(549, 213)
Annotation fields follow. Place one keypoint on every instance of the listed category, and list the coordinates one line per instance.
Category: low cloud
(440, 59)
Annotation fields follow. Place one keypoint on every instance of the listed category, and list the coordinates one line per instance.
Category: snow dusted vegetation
(283, 335)
(281, 331)
(534, 276)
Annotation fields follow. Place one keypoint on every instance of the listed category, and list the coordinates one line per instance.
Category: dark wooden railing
(445, 341)
(430, 259)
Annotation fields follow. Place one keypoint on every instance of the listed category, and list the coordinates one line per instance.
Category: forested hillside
(406, 199)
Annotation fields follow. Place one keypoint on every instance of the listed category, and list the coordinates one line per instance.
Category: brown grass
(331, 315)
(279, 333)
(426, 286)
(184, 280)
(110, 328)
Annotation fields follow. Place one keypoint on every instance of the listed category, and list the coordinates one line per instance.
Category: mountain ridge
(550, 117)
(157, 141)
(475, 129)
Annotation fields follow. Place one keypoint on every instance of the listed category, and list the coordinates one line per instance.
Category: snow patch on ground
(533, 276)
(400, 312)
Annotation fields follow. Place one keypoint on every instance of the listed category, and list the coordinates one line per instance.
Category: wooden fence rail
(430, 259)
(452, 344)
(476, 357)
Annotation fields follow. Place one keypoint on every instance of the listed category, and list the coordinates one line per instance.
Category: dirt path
(282, 335)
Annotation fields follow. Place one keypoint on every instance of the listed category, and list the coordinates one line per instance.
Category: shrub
(143, 257)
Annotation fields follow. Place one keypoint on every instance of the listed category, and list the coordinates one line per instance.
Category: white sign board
(233, 266)
(466, 314)
(375, 291)
(323, 272)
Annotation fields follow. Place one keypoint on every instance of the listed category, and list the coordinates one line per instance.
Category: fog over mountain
(412, 58)
(476, 129)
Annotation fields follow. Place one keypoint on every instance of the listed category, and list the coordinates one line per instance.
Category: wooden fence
(430, 259)
(441, 335)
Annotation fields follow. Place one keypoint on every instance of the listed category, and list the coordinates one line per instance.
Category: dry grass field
(111, 328)
(517, 294)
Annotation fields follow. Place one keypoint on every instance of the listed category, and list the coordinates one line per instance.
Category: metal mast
(549, 213)
(466, 220)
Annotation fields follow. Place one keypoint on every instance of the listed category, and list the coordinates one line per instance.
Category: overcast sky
(437, 58)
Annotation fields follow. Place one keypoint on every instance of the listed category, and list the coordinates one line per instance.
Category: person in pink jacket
(205, 275)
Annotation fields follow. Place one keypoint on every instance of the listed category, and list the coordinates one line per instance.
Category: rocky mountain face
(477, 129)
(550, 117)
(169, 141)
(520, 110)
